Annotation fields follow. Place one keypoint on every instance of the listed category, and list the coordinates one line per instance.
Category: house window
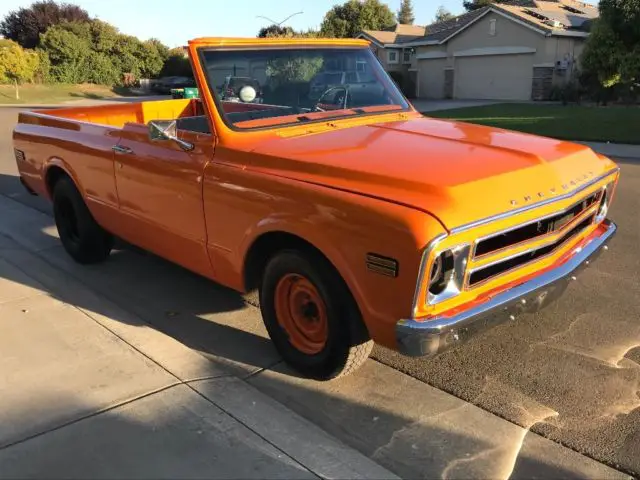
(492, 27)
(406, 56)
(361, 65)
(392, 56)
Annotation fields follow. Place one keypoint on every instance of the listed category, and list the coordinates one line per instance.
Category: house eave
(416, 43)
(371, 39)
(569, 33)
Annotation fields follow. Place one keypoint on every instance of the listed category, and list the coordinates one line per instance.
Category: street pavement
(571, 373)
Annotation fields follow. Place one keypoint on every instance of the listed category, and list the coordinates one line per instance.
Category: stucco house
(514, 51)
(387, 45)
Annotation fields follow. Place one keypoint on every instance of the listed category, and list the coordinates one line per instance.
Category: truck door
(159, 189)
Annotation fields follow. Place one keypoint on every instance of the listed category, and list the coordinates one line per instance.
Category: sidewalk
(94, 390)
(91, 391)
(615, 150)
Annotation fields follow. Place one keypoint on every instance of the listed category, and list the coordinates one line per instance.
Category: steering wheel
(344, 100)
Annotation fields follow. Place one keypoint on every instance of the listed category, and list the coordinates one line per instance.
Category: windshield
(280, 86)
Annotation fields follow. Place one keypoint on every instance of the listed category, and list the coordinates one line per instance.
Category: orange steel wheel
(302, 313)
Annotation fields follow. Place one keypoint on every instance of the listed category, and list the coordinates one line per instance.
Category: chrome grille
(535, 229)
(505, 265)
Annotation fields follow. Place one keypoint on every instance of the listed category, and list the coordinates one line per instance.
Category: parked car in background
(164, 85)
(325, 81)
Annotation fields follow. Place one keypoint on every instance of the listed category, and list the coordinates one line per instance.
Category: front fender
(241, 206)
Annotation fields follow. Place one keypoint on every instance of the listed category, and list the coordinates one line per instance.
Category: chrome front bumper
(430, 337)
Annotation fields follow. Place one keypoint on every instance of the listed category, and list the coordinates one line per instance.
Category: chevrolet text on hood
(319, 191)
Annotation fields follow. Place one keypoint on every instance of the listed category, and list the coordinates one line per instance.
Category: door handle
(121, 149)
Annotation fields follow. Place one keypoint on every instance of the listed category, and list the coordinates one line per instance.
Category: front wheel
(83, 239)
(311, 316)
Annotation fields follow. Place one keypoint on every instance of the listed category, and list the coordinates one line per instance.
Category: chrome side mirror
(160, 130)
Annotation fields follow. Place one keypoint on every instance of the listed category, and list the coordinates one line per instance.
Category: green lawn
(572, 122)
(46, 94)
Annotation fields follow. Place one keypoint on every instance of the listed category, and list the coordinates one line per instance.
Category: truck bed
(117, 115)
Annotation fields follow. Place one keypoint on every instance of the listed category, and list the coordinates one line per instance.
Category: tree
(162, 49)
(26, 24)
(96, 52)
(405, 14)
(177, 64)
(279, 31)
(17, 65)
(68, 53)
(472, 5)
(275, 31)
(353, 16)
(612, 52)
(442, 15)
(151, 59)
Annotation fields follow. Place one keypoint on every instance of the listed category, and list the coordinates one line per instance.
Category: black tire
(347, 345)
(83, 239)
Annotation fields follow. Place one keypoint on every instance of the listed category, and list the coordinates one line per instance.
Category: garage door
(431, 78)
(494, 77)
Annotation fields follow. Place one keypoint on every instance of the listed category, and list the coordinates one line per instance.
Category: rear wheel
(311, 316)
(83, 239)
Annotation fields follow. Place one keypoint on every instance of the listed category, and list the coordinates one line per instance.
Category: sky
(176, 22)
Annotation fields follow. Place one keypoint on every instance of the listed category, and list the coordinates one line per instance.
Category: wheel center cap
(310, 311)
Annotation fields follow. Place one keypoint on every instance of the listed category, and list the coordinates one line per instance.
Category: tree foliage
(96, 52)
(17, 65)
(405, 14)
(612, 52)
(162, 49)
(275, 31)
(442, 15)
(471, 5)
(68, 54)
(26, 24)
(353, 16)
(177, 64)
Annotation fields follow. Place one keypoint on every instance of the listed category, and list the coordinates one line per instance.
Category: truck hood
(457, 172)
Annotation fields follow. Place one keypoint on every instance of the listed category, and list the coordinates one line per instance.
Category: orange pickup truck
(353, 217)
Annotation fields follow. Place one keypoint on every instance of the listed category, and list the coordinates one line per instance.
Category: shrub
(68, 53)
(176, 65)
(100, 70)
(570, 92)
(96, 52)
(43, 70)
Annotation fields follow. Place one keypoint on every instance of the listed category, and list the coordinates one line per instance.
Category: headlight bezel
(425, 299)
(453, 274)
(605, 202)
